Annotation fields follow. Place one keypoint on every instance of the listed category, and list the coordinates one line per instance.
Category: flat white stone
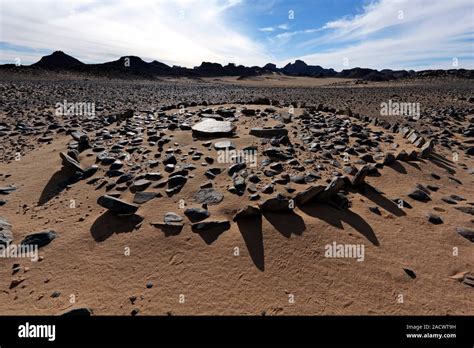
(211, 127)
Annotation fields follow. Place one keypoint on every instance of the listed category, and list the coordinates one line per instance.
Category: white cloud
(183, 32)
(397, 34)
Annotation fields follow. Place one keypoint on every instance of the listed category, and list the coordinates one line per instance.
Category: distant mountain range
(136, 67)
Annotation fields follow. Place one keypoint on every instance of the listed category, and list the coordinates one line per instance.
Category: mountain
(58, 60)
(133, 66)
(300, 68)
(216, 69)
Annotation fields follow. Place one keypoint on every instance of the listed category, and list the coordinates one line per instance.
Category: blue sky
(396, 34)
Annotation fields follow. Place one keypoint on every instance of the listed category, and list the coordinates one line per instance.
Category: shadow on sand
(442, 162)
(383, 202)
(287, 223)
(335, 217)
(251, 230)
(397, 166)
(56, 184)
(109, 223)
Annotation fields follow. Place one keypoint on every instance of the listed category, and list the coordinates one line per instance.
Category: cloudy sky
(396, 34)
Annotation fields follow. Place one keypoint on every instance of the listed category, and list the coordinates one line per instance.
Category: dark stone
(247, 212)
(277, 204)
(208, 196)
(78, 312)
(70, 163)
(211, 226)
(140, 185)
(196, 214)
(40, 239)
(419, 195)
(308, 195)
(269, 132)
(177, 181)
(172, 218)
(466, 233)
(434, 219)
(116, 205)
(6, 236)
(466, 210)
(375, 210)
(143, 197)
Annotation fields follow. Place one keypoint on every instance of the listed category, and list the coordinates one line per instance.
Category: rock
(308, 195)
(89, 171)
(212, 128)
(239, 184)
(410, 273)
(276, 154)
(333, 187)
(153, 176)
(375, 210)
(140, 185)
(359, 178)
(419, 195)
(277, 204)
(143, 197)
(6, 190)
(268, 132)
(70, 163)
(40, 239)
(170, 159)
(6, 236)
(116, 205)
(224, 145)
(448, 200)
(247, 212)
(172, 217)
(196, 214)
(388, 159)
(268, 189)
(457, 198)
(177, 182)
(78, 312)
(254, 179)
(427, 149)
(466, 210)
(235, 168)
(466, 233)
(125, 115)
(339, 201)
(402, 156)
(211, 226)
(434, 219)
(208, 196)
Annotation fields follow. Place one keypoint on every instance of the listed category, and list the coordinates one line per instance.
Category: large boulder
(212, 128)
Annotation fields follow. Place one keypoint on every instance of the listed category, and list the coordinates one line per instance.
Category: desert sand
(272, 263)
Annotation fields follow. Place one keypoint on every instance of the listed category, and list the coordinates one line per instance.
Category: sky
(339, 34)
